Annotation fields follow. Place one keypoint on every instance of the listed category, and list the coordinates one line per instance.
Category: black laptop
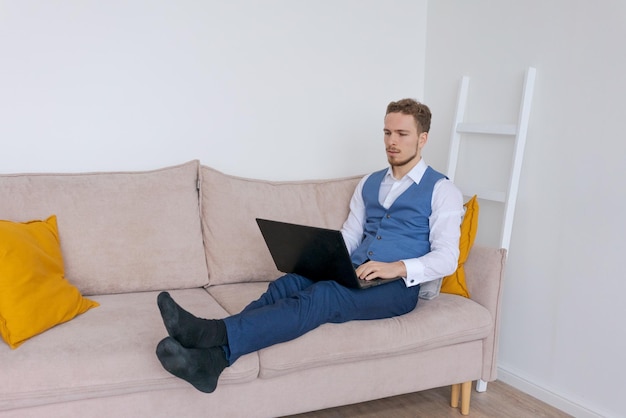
(315, 253)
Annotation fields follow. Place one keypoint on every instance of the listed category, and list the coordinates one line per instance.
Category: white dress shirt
(444, 223)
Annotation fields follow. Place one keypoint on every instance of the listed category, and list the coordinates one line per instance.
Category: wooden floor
(499, 401)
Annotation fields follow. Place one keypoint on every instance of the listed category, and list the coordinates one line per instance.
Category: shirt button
(412, 281)
(379, 237)
(370, 252)
(388, 216)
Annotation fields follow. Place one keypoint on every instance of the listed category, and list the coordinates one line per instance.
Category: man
(404, 221)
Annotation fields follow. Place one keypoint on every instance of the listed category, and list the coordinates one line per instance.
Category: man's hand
(378, 270)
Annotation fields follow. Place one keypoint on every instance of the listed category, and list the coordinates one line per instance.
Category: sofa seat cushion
(445, 320)
(119, 231)
(104, 352)
(234, 297)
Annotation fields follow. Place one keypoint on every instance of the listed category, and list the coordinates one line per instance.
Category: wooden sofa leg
(465, 390)
(454, 399)
(466, 393)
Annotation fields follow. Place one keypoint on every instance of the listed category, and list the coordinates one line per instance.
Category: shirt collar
(415, 174)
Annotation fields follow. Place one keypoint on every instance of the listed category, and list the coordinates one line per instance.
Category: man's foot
(189, 330)
(199, 366)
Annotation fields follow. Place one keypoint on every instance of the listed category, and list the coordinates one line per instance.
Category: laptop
(315, 253)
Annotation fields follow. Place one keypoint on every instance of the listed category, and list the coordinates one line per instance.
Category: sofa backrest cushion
(235, 249)
(119, 231)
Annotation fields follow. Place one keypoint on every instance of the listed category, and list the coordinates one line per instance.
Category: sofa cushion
(110, 351)
(445, 320)
(234, 297)
(119, 231)
(235, 249)
(34, 294)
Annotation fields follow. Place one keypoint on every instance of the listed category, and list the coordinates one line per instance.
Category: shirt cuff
(414, 272)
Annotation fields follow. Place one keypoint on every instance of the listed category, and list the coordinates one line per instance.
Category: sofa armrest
(484, 270)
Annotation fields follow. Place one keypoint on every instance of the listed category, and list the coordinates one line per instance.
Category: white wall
(275, 89)
(562, 337)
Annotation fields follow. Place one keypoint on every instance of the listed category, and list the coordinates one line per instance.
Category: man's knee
(288, 285)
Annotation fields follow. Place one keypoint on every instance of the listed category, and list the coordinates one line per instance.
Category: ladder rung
(493, 195)
(483, 128)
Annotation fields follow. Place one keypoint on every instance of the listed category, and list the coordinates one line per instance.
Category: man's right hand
(371, 270)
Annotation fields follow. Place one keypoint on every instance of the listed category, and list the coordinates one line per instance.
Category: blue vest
(402, 231)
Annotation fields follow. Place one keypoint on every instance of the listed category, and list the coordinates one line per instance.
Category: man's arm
(445, 230)
(352, 229)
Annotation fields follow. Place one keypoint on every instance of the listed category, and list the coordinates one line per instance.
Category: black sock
(189, 330)
(199, 366)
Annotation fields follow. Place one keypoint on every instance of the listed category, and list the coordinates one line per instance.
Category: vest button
(370, 252)
(379, 237)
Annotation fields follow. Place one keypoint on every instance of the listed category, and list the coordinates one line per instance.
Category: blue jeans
(294, 305)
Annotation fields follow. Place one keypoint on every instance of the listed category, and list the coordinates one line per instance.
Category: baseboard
(553, 399)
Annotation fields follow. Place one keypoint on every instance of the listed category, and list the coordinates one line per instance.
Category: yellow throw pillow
(455, 283)
(34, 294)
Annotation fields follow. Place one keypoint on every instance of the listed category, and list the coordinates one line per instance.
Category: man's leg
(192, 351)
(193, 332)
(283, 287)
(323, 302)
(282, 321)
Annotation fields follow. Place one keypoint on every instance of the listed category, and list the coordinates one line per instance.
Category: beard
(401, 163)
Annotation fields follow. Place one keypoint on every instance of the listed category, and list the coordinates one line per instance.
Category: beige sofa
(190, 230)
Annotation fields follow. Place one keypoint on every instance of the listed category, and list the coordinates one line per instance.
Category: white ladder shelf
(518, 132)
(509, 196)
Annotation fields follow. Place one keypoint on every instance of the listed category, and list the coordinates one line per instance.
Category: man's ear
(422, 139)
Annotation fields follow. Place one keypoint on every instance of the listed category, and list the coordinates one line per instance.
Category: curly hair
(419, 111)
